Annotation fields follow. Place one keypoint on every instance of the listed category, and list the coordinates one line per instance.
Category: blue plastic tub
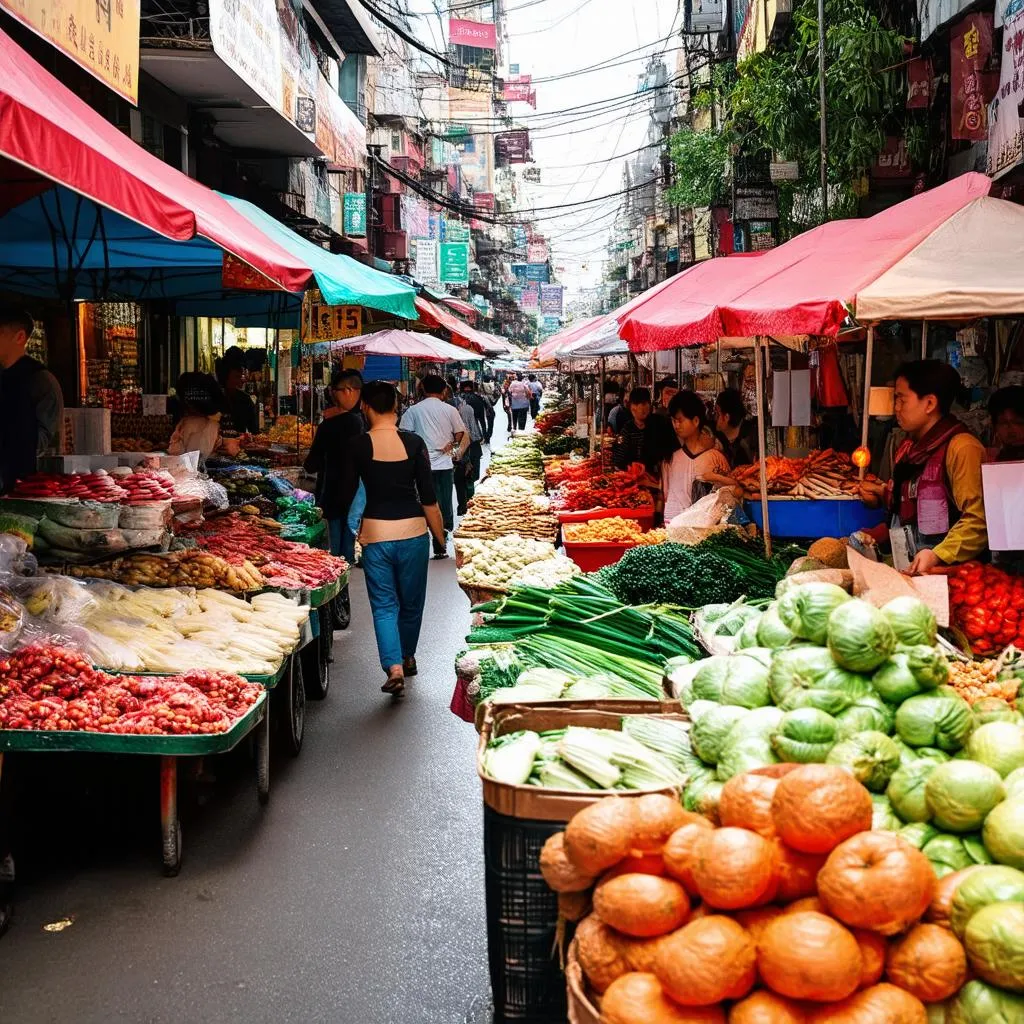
(815, 517)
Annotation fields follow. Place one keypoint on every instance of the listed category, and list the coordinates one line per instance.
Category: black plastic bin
(522, 921)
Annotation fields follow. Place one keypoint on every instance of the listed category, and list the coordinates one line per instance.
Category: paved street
(355, 897)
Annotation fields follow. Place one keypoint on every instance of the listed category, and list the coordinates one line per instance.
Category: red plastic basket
(644, 516)
(593, 555)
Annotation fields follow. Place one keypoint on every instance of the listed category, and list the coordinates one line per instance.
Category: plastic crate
(593, 555)
(815, 517)
(522, 922)
(644, 516)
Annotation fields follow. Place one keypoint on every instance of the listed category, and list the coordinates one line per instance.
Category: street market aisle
(355, 897)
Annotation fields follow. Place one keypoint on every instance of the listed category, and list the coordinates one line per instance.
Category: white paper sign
(781, 398)
(800, 398)
(1003, 487)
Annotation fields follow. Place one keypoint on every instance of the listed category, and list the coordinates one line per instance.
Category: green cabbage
(868, 714)
(805, 735)
(699, 708)
(747, 636)
(894, 681)
(994, 940)
(1000, 745)
(772, 632)
(883, 817)
(760, 723)
(1014, 784)
(680, 679)
(911, 620)
(737, 679)
(1004, 832)
(947, 854)
(932, 754)
(907, 754)
(993, 709)
(940, 718)
(928, 664)
(938, 1013)
(871, 757)
(859, 636)
(805, 609)
(709, 732)
(979, 1003)
(809, 677)
(919, 834)
(960, 794)
(743, 755)
(995, 884)
(702, 795)
(906, 790)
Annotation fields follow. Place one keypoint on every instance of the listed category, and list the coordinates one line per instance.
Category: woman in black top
(401, 506)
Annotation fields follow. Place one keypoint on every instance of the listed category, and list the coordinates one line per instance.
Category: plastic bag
(15, 558)
(56, 600)
(212, 494)
(12, 619)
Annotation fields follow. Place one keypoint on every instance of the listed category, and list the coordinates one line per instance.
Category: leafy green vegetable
(906, 790)
(928, 664)
(980, 1003)
(940, 718)
(859, 636)
(1004, 832)
(743, 755)
(871, 757)
(995, 884)
(894, 681)
(810, 677)
(772, 632)
(805, 609)
(868, 713)
(911, 620)
(732, 679)
(711, 729)
(1000, 745)
(805, 735)
(960, 794)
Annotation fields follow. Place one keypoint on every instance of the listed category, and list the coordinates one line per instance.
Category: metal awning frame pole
(868, 359)
(762, 431)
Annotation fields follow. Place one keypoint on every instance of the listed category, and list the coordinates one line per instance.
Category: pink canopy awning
(49, 136)
(466, 309)
(805, 286)
(546, 350)
(433, 315)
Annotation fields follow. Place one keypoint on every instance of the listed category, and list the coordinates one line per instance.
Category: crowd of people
(934, 501)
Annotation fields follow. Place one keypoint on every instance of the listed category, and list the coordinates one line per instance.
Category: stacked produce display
(789, 909)
(821, 474)
(511, 560)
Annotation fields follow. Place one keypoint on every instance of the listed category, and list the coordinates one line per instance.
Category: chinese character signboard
(1006, 128)
(456, 231)
(551, 299)
(484, 201)
(531, 273)
(100, 35)
(355, 214)
(537, 251)
(481, 34)
(321, 322)
(893, 161)
(246, 35)
(971, 88)
(425, 267)
(519, 90)
(919, 83)
(512, 147)
(454, 263)
(236, 273)
(530, 297)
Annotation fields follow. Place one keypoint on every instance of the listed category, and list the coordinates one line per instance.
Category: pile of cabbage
(821, 676)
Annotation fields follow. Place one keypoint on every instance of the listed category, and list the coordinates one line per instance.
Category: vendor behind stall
(1006, 407)
(935, 496)
(642, 437)
(198, 430)
(239, 409)
(735, 431)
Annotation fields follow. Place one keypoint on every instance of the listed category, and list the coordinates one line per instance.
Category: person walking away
(31, 403)
(506, 403)
(328, 455)
(240, 413)
(520, 396)
(401, 507)
(734, 430)
(536, 390)
(487, 398)
(935, 496)
(467, 470)
(697, 467)
(444, 433)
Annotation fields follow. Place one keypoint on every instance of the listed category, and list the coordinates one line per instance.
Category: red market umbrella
(409, 345)
(50, 137)
(804, 287)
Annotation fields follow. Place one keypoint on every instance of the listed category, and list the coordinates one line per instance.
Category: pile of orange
(791, 912)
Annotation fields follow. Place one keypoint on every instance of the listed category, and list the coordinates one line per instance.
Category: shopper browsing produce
(643, 437)
(445, 435)
(536, 391)
(467, 469)
(401, 506)
(698, 466)
(31, 404)
(331, 450)
(199, 428)
(935, 496)
(735, 431)
(519, 395)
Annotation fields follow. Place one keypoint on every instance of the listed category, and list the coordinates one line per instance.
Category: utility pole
(821, 111)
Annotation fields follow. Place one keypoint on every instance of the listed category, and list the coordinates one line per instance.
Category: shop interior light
(861, 458)
(881, 402)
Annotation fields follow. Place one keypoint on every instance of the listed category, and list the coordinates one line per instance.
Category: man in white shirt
(520, 395)
(536, 390)
(444, 434)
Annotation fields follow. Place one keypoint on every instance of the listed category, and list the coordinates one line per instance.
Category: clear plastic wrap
(15, 558)
(12, 620)
(210, 492)
(56, 600)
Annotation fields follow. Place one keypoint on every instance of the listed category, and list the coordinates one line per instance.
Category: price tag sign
(323, 322)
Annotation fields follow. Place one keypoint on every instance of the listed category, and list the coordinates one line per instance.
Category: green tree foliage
(701, 161)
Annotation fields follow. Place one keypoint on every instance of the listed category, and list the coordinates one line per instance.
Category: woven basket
(479, 595)
(581, 1009)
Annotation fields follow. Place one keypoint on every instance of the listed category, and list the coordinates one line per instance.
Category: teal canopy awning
(342, 280)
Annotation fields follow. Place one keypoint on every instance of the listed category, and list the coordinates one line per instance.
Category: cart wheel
(342, 609)
(314, 668)
(169, 822)
(262, 738)
(295, 720)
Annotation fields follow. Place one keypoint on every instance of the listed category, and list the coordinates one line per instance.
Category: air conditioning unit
(396, 245)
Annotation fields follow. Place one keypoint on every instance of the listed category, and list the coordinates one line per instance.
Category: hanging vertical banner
(919, 83)
(481, 34)
(354, 223)
(551, 296)
(530, 297)
(456, 231)
(513, 147)
(101, 36)
(425, 267)
(970, 47)
(537, 251)
(454, 263)
(1006, 128)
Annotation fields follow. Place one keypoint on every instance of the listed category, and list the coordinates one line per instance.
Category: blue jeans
(396, 582)
(342, 533)
(444, 481)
